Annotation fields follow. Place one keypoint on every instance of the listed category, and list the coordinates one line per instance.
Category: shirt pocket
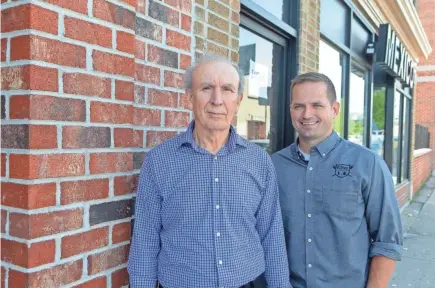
(341, 198)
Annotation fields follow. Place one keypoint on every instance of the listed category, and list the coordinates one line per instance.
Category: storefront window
(396, 132)
(330, 65)
(378, 121)
(280, 8)
(356, 105)
(261, 61)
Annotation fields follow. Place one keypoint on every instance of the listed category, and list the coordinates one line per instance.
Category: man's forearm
(381, 269)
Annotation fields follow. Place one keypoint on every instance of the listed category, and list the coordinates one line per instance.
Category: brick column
(309, 36)
(88, 86)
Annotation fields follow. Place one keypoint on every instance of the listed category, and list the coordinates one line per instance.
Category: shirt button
(218, 234)
(215, 158)
(220, 262)
(309, 240)
(217, 206)
(309, 215)
(323, 154)
(309, 266)
(308, 191)
(216, 179)
(311, 168)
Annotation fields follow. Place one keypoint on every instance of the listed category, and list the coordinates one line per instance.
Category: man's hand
(381, 269)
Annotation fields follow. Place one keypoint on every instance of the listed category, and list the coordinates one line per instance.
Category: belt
(259, 282)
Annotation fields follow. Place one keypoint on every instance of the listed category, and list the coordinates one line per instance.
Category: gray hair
(188, 76)
(317, 77)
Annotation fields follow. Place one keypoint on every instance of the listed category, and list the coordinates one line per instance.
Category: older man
(341, 216)
(207, 208)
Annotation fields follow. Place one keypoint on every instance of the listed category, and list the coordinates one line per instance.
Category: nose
(216, 97)
(308, 112)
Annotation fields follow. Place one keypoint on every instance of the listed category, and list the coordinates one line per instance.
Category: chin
(218, 125)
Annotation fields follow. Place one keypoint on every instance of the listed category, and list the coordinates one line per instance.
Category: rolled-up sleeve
(383, 214)
(271, 232)
(145, 244)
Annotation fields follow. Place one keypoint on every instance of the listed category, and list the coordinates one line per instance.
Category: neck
(210, 141)
(306, 144)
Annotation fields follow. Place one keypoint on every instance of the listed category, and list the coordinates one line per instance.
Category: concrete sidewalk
(417, 268)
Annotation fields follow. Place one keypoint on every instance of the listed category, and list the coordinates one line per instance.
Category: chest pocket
(341, 197)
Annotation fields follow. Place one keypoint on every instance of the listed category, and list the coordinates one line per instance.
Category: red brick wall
(402, 194)
(421, 170)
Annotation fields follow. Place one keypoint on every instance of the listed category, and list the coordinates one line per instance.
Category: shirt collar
(323, 147)
(233, 140)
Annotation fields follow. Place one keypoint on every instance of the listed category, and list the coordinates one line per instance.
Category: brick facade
(88, 87)
(309, 36)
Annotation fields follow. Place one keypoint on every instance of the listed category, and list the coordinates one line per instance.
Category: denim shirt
(339, 210)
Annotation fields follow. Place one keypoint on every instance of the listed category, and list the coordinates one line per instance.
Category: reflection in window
(261, 62)
(396, 128)
(280, 8)
(356, 106)
(405, 140)
(330, 65)
(378, 121)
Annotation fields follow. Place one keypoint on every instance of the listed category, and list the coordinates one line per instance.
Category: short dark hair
(317, 77)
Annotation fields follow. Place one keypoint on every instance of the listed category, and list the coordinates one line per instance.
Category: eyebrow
(228, 85)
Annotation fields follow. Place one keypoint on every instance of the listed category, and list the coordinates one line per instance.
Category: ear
(335, 109)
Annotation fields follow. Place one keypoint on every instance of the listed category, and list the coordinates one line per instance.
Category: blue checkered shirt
(206, 220)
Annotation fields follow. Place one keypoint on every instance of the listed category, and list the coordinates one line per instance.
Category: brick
(3, 270)
(121, 232)
(186, 22)
(80, 6)
(147, 29)
(107, 259)
(57, 276)
(199, 44)
(37, 107)
(235, 17)
(120, 278)
(113, 13)
(185, 61)
(111, 211)
(199, 29)
(29, 136)
(84, 242)
(177, 40)
(139, 94)
(38, 225)
(29, 16)
(88, 85)
(3, 107)
(147, 74)
(126, 137)
(200, 2)
(125, 184)
(113, 64)
(28, 196)
(235, 30)
(146, 117)
(31, 47)
(235, 44)
(124, 90)
(163, 13)
(74, 137)
(185, 102)
(177, 119)
(140, 50)
(235, 4)
(162, 98)
(4, 44)
(155, 138)
(218, 8)
(181, 5)
(141, 6)
(125, 42)
(173, 79)
(200, 13)
(3, 164)
(111, 162)
(46, 165)
(86, 190)
(99, 282)
(29, 77)
(34, 255)
(217, 36)
(4, 217)
(162, 56)
(138, 158)
(88, 32)
(130, 2)
(111, 113)
(218, 50)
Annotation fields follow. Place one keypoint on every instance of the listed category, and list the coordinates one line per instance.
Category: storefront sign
(392, 54)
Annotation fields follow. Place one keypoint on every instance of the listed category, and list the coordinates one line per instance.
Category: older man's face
(214, 95)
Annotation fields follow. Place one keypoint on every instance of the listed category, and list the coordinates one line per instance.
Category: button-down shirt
(339, 210)
(206, 220)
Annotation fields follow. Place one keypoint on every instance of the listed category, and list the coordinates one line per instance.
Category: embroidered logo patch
(342, 170)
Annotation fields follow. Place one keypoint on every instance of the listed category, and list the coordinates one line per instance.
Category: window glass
(405, 139)
(356, 105)
(280, 8)
(334, 21)
(262, 62)
(396, 132)
(330, 64)
(360, 37)
(378, 120)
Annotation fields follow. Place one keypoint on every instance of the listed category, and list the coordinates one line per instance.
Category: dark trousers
(259, 282)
